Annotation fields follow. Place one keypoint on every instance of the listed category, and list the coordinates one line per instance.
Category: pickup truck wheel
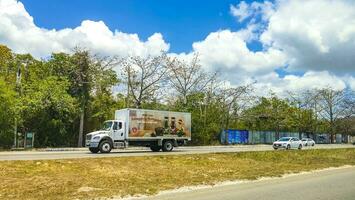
(168, 146)
(94, 149)
(105, 146)
(155, 148)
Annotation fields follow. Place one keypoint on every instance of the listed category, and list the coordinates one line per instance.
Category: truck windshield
(107, 126)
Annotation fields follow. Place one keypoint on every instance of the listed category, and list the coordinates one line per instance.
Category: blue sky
(180, 22)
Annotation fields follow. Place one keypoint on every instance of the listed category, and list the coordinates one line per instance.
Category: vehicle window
(304, 139)
(119, 125)
(284, 139)
(296, 139)
(115, 126)
(107, 125)
(293, 139)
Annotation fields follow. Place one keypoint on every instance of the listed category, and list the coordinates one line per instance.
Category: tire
(275, 148)
(313, 145)
(306, 144)
(300, 147)
(105, 146)
(94, 149)
(168, 146)
(155, 148)
(288, 147)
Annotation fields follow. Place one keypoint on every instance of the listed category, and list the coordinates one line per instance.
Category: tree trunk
(81, 129)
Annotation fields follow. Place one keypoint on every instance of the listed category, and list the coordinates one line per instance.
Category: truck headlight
(96, 138)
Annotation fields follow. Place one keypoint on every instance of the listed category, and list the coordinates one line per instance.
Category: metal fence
(235, 136)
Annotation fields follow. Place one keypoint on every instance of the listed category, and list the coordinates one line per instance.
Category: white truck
(138, 127)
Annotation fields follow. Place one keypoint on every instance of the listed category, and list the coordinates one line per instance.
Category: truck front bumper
(94, 144)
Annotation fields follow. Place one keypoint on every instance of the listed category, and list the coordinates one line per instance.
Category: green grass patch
(121, 176)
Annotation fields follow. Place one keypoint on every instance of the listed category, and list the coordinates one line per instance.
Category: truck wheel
(168, 146)
(105, 146)
(155, 148)
(94, 149)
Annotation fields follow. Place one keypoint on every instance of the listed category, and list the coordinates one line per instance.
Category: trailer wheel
(168, 146)
(105, 146)
(94, 149)
(155, 148)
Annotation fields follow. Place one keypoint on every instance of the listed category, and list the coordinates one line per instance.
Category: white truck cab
(136, 127)
(112, 131)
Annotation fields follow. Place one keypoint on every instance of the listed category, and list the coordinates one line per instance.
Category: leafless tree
(233, 101)
(304, 101)
(187, 77)
(144, 76)
(335, 105)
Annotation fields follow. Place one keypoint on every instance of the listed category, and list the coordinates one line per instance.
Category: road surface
(84, 153)
(326, 185)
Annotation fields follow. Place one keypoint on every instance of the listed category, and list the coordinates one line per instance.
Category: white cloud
(228, 51)
(19, 32)
(315, 35)
(310, 80)
(240, 11)
(351, 82)
(243, 11)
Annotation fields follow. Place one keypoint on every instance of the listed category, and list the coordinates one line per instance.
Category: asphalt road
(325, 185)
(84, 153)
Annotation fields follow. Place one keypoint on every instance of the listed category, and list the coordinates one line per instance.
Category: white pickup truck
(138, 127)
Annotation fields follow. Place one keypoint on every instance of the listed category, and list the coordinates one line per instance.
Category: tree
(187, 77)
(6, 63)
(305, 104)
(144, 77)
(7, 113)
(48, 110)
(335, 104)
(89, 76)
(271, 114)
(233, 101)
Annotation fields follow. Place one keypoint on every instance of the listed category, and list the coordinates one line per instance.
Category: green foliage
(48, 110)
(7, 114)
(48, 95)
(271, 114)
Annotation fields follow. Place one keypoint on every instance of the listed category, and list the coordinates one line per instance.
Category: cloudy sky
(285, 45)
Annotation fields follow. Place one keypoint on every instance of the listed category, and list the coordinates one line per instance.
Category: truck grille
(88, 137)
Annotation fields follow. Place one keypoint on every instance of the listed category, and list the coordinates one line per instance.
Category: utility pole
(18, 90)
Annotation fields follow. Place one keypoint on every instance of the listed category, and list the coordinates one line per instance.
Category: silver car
(308, 142)
(287, 143)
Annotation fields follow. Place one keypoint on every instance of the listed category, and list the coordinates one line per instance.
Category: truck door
(118, 133)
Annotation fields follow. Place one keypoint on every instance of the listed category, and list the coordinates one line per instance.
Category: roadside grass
(121, 176)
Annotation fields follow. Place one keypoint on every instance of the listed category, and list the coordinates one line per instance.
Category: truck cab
(111, 135)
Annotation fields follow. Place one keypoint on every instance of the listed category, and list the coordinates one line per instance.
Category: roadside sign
(29, 140)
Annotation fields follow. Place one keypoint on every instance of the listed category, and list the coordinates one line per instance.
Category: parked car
(288, 143)
(308, 142)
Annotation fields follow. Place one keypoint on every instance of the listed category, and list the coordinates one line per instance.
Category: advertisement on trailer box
(149, 123)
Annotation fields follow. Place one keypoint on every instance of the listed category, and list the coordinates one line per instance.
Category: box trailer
(159, 130)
